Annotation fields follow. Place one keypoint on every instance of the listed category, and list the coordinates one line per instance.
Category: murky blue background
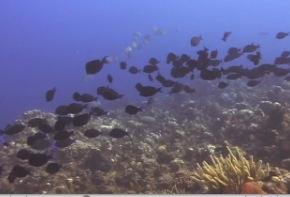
(45, 44)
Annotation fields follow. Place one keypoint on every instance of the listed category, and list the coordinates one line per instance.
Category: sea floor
(166, 142)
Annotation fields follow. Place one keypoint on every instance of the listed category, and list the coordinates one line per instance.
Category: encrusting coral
(229, 174)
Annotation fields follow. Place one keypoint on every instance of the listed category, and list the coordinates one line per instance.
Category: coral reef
(171, 135)
(230, 174)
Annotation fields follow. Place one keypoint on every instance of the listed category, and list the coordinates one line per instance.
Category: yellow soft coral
(228, 174)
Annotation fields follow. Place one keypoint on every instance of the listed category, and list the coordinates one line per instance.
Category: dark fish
(282, 60)
(147, 91)
(255, 58)
(77, 96)
(222, 85)
(153, 61)
(33, 138)
(14, 129)
(150, 77)
(95, 66)
(233, 53)
(118, 133)
(266, 68)
(123, 65)
(108, 93)
(35, 122)
(38, 141)
(170, 58)
(214, 54)
(52, 168)
(281, 35)
(285, 54)
(17, 172)
(226, 35)
(97, 111)
(253, 83)
(61, 123)
(254, 73)
(195, 40)
(229, 57)
(279, 72)
(62, 135)
(49, 95)
(192, 64)
(45, 128)
(210, 74)
(132, 110)
(179, 71)
(91, 133)
(250, 48)
(38, 159)
(64, 143)
(150, 68)
(134, 70)
(85, 98)
(23, 154)
(214, 62)
(234, 50)
(164, 82)
(233, 69)
(177, 88)
(234, 76)
(73, 108)
(61, 110)
(188, 89)
(184, 58)
(81, 120)
(203, 58)
(110, 78)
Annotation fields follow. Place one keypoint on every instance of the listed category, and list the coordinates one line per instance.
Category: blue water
(45, 44)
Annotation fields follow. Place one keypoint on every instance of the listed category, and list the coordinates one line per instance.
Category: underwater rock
(148, 119)
(245, 114)
(229, 98)
(179, 133)
(189, 154)
(285, 163)
(96, 161)
(36, 113)
(163, 157)
(135, 123)
(268, 106)
(275, 113)
(275, 188)
(240, 106)
(176, 164)
(165, 181)
(285, 147)
(275, 94)
(286, 178)
(62, 189)
(277, 90)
